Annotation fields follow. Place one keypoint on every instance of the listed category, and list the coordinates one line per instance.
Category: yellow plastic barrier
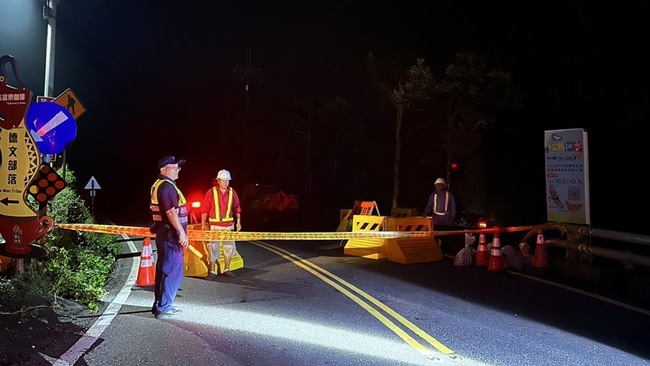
(345, 214)
(414, 223)
(412, 250)
(200, 267)
(345, 220)
(367, 248)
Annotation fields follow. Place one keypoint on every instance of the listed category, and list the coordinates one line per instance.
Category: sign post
(92, 185)
(69, 101)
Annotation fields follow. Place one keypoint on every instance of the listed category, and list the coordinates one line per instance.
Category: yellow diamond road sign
(69, 101)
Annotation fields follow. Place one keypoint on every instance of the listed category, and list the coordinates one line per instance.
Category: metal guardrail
(578, 240)
(615, 235)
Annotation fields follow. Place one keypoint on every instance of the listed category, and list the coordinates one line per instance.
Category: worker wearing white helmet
(441, 204)
(221, 210)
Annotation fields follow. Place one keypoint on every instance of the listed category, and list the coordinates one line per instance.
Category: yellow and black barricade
(374, 248)
(200, 267)
(412, 250)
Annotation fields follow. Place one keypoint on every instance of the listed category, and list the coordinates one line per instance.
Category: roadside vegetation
(77, 264)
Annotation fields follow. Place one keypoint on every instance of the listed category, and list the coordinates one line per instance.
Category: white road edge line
(576, 290)
(71, 356)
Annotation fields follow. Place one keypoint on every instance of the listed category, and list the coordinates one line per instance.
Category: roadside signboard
(46, 184)
(13, 101)
(92, 184)
(280, 201)
(71, 103)
(20, 163)
(42, 98)
(53, 128)
(567, 176)
(13, 104)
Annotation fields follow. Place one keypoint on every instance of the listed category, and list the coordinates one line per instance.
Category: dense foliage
(77, 264)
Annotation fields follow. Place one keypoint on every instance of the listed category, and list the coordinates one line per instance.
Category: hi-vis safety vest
(181, 211)
(435, 204)
(217, 211)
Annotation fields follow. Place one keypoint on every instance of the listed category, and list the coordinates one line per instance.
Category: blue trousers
(169, 270)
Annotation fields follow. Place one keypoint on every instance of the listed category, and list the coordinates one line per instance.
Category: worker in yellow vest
(169, 215)
(221, 210)
(441, 204)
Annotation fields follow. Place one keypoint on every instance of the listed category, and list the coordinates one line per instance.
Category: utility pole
(247, 75)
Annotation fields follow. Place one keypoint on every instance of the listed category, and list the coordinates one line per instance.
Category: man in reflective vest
(170, 217)
(221, 209)
(441, 204)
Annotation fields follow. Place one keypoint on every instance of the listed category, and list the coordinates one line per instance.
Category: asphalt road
(307, 303)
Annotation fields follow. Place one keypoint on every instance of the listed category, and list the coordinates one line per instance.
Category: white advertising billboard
(566, 156)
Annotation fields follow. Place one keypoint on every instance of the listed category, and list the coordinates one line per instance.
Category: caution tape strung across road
(496, 229)
(208, 235)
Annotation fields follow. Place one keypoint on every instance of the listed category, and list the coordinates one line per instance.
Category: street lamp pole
(49, 14)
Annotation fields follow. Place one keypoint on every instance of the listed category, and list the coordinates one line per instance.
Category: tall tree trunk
(309, 181)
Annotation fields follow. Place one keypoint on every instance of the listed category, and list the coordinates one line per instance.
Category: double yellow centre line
(357, 295)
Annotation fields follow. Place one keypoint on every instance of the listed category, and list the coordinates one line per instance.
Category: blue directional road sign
(52, 127)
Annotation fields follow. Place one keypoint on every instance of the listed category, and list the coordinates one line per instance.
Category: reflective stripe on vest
(217, 210)
(155, 206)
(435, 203)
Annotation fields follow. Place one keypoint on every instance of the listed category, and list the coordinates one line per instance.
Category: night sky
(160, 78)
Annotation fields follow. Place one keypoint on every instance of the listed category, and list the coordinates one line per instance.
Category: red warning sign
(280, 201)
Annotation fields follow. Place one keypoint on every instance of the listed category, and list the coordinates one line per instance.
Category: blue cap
(169, 159)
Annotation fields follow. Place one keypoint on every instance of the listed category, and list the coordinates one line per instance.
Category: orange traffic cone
(540, 259)
(147, 271)
(496, 260)
(482, 254)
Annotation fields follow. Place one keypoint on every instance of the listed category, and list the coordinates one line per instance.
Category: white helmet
(440, 181)
(223, 175)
